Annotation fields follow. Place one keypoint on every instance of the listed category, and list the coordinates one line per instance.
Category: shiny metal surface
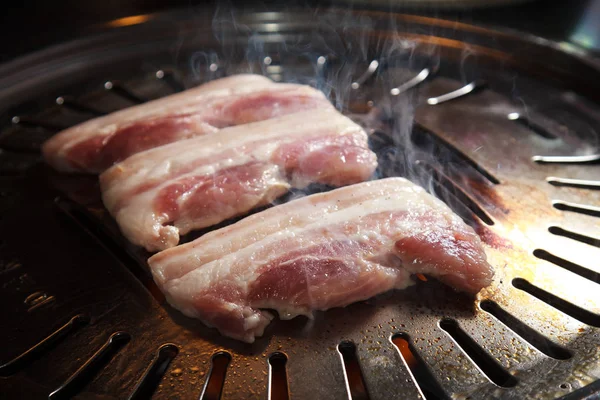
(532, 334)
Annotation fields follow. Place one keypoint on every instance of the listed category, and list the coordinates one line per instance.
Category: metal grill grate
(82, 315)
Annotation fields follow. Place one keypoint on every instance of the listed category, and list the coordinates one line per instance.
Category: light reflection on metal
(463, 91)
(589, 159)
(128, 21)
(413, 82)
(366, 75)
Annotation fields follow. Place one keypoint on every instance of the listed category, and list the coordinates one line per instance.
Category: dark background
(35, 24)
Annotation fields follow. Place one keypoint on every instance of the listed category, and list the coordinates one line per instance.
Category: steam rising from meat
(333, 57)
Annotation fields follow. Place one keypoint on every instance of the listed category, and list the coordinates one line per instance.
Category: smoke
(361, 60)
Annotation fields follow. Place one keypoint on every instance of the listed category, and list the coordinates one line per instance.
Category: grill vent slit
(451, 193)
(153, 375)
(86, 373)
(413, 82)
(591, 159)
(432, 143)
(532, 126)
(428, 386)
(78, 107)
(530, 335)
(213, 387)
(577, 208)
(278, 384)
(575, 183)
(585, 316)
(486, 364)
(470, 88)
(568, 265)
(169, 78)
(555, 230)
(355, 383)
(122, 91)
(43, 346)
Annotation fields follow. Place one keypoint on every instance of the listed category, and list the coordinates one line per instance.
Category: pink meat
(162, 193)
(97, 144)
(319, 252)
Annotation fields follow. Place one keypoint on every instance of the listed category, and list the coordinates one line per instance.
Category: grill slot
(566, 307)
(369, 73)
(555, 230)
(448, 140)
(216, 376)
(568, 265)
(76, 382)
(442, 150)
(122, 91)
(470, 88)
(575, 183)
(355, 384)
(532, 126)
(449, 191)
(530, 335)
(171, 80)
(590, 159)
(486, 364)
(155, 372)
(278, 386)
(43, 346)
(76, 106)
(577, 208)
(412, 83)
(428, 386)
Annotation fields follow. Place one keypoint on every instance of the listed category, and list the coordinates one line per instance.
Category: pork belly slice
(318, 252)
(160, 194)
(97, 144)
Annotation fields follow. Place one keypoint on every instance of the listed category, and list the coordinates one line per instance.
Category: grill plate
(62, 256)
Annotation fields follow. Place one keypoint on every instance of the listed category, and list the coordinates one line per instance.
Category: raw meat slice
(97, 144)
(168, 191)
(318, 252)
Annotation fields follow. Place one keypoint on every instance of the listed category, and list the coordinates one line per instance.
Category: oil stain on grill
(585, 316)
(216, 376)
(278, 384)
(153, 375)
(428, 386)
(86, 373)
(43, 346)
(530, 335)
(355, 382)
(486, 364)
